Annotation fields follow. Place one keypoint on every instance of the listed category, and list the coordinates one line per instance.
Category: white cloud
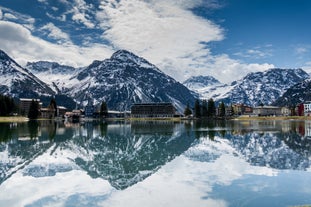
(80, 12)
(54, 8)
(227, 70)
(22, 46)
(82, 18)
(169, 35)
(10, 16)
(61, 17)
(258, 52)
(160, 32)
(56, 33)
(301, 50)
(1, 14)
(164, 32)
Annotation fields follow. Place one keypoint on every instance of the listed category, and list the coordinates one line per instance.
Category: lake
(156, 163)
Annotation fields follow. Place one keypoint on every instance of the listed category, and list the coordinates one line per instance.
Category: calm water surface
(156, 164)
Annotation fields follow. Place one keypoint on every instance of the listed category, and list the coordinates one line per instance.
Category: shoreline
(4, 119)
(8, 119)
(271, 118)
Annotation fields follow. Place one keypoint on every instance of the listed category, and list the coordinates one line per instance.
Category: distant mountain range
(120, 81)
(255, 88)
(125, 79)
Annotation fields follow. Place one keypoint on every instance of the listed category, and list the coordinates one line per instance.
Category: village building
(307, 108)
(24, 104)
(267, 111)
(145, 110)
(61, 111)
(241, 109)
(299, 110)
(118, 114)
(89, 110)
(73, 115)
(285, 111)
(47, 113)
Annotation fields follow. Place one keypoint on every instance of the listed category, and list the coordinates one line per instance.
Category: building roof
(153, 104)
(267, 107)
(29, 99)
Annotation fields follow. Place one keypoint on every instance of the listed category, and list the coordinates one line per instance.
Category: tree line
(206, 109)
(7, 105)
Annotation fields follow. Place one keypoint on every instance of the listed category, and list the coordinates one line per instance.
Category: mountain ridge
(120, 81)
(125, 79)
(256, 88)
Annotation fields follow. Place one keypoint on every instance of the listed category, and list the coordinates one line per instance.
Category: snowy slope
(196, 83)
(299, 93)
(125, 79)
(52, 73)
(255, 88)
(19, 82)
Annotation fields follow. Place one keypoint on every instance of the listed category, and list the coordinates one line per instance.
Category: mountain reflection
(275, 144)
(126, 153)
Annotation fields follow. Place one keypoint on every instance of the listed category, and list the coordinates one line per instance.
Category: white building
(307, 108)
(267, 111)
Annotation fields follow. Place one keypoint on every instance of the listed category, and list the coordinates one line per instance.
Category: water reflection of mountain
(123, 154)
(271, 149)
(128, 154)
(21, 143)
(275, 144)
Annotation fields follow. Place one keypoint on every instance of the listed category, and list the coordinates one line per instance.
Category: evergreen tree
(222, 109)
(33, 110)
(211, 109)
(197, 109)
(187, 111)
(7, 105)
(53, 105)
(103, 109)
(204, 108)
(231, 110)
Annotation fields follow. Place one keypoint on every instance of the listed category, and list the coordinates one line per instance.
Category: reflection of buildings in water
(308, 129)
(152, 127)
(303, 128)
(286, 126)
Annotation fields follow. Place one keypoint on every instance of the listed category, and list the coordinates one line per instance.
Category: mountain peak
(199, 82)
(123, 55)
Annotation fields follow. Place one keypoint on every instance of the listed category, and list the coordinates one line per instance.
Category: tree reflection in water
(126, 153)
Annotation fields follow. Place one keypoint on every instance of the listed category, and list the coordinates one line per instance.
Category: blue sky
(223, 38)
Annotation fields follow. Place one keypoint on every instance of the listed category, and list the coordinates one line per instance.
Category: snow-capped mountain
(121, 81)
(52, 73)
(125, 79)
(198, 82)
(296, 94)
(19, 82)
(255, 88)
